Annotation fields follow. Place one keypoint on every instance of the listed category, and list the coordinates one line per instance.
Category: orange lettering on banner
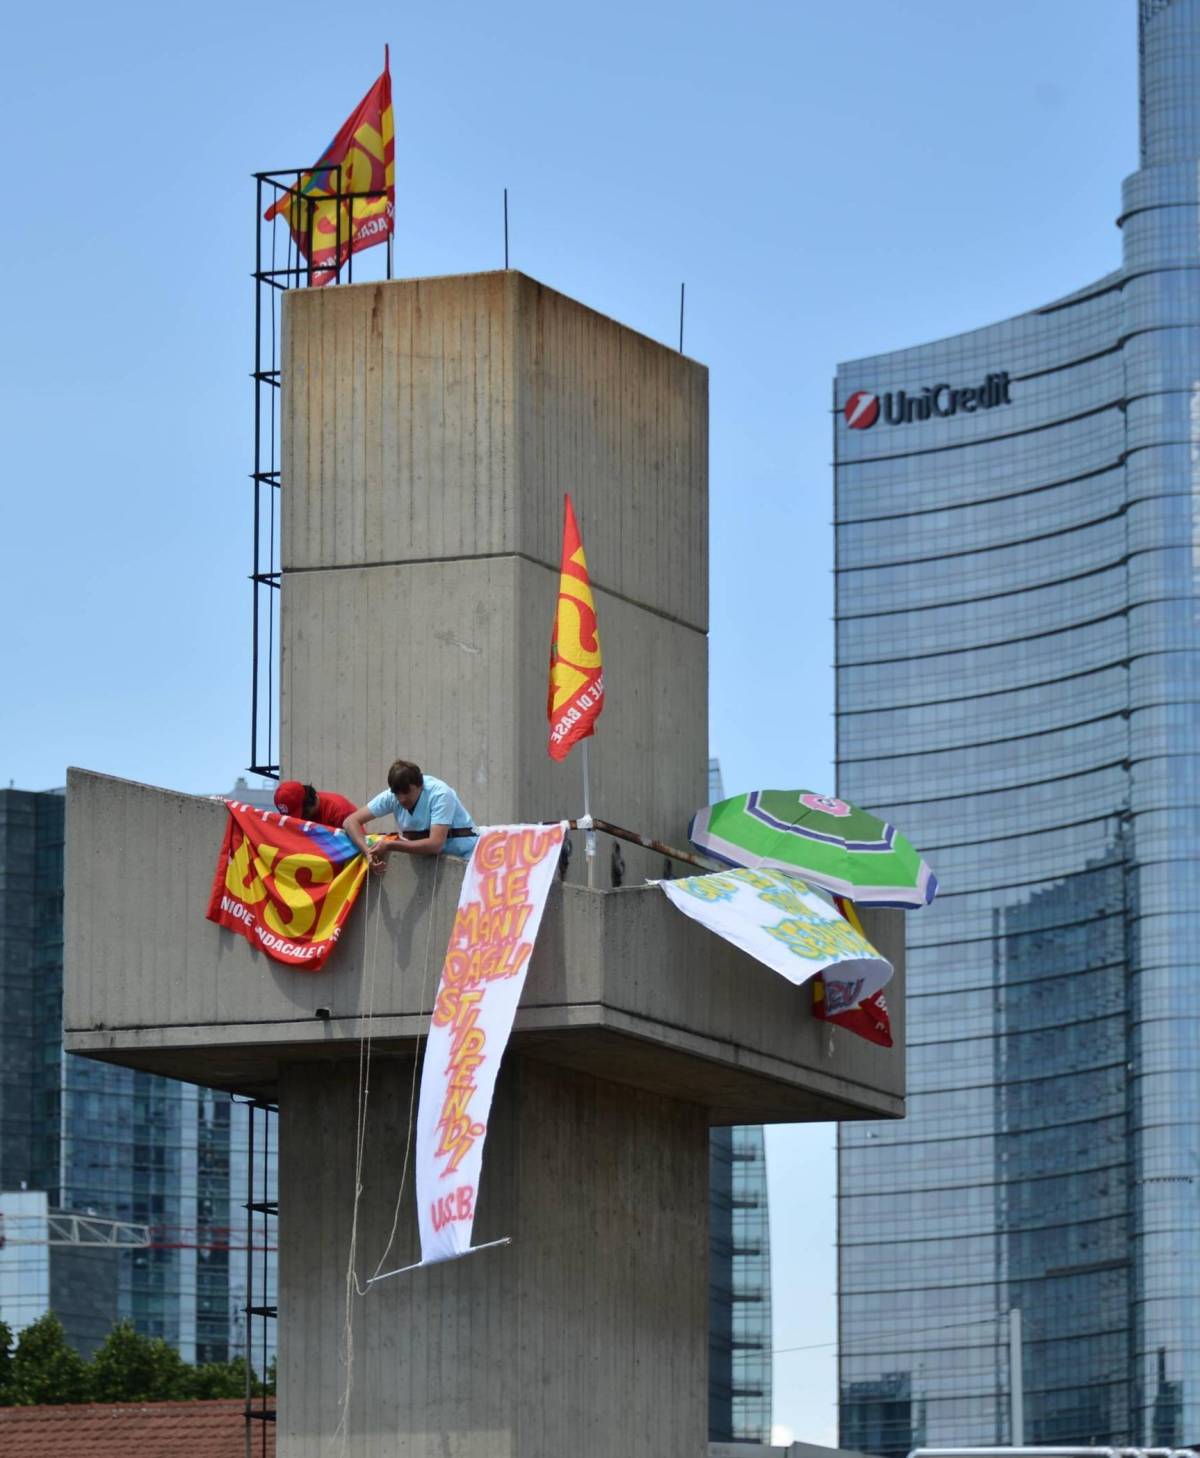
(485, 946)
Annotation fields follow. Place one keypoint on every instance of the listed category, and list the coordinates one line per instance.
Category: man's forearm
(355, 829)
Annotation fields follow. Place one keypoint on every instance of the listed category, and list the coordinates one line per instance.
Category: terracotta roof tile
(212, 1429)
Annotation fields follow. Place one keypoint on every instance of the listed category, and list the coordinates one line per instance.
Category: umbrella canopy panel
(828, 841)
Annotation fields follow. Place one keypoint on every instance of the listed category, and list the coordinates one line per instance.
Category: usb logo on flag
(348, 201)
(576, 693)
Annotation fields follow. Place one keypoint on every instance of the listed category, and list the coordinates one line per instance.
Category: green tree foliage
(44, 1368)
(6, 1341)
(129, 1367)
(222, 1379)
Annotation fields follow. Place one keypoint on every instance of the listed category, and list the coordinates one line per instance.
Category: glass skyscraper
(107, 1141)
(1018, 625)
(739, 1287)
(739, 1273)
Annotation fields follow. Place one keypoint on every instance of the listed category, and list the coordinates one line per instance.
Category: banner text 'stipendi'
(327, 212)
(286, 885)
(499, 911)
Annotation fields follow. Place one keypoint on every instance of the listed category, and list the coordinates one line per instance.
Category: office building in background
(80, 1136)
(1017, 686)
(739, 1273)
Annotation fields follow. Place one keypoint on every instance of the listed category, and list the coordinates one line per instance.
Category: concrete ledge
(621, 985)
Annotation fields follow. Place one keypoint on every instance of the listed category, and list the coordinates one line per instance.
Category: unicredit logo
(863, 408)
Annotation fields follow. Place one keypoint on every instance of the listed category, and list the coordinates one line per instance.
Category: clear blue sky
(831, 180)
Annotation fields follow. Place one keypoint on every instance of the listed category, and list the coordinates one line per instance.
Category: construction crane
(64, 1227)
(70, 1228)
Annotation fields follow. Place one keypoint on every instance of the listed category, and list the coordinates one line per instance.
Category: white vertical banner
(499, 911)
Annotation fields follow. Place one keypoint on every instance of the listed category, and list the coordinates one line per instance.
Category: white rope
(353, 1286)
(360, 1134)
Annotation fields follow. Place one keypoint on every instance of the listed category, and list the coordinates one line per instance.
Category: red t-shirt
(332, 809)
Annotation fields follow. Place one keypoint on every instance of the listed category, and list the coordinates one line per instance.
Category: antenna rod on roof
(681, 289)
(506, 227)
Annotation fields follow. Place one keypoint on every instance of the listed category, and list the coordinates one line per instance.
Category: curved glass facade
(1018, 680)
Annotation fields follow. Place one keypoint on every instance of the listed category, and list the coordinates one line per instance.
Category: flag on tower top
(576, 671)
(327, 222)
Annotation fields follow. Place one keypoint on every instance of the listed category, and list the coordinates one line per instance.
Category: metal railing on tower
(280, 265)
(261, 1310)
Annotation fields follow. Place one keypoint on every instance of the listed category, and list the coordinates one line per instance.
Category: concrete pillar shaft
(585, 1336)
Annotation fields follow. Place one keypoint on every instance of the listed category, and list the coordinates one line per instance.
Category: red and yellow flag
(576, 671)
(328, 230)
(286, 885)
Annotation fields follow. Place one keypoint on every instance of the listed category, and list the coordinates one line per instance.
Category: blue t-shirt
(436, 805)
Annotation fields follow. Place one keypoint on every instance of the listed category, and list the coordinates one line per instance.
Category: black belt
(452, 834)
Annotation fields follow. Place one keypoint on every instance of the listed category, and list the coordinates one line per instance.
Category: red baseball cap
(289, 797)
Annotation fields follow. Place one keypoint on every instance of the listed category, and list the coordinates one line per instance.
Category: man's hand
(355, 827)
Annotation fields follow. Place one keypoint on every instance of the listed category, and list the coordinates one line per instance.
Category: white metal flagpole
(589, 835)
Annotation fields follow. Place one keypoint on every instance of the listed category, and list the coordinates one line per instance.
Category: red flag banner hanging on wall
(329, 226)
(576, 694)
(868, 1018)
(287, 885)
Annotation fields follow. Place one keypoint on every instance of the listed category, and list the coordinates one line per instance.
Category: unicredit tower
(1018, 682)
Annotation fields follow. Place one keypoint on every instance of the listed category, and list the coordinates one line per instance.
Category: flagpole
(589, 841)
(387, 66)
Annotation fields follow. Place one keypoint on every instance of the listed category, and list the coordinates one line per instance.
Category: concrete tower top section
(442, 419)
(429, 430)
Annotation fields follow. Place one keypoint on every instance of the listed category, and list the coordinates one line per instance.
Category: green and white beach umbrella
(828, 841)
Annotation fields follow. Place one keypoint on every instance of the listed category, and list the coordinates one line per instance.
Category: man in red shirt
(306, 803)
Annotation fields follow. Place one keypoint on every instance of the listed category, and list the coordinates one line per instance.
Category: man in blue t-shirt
(429, 815)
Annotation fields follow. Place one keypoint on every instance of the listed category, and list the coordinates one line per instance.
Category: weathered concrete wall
(429, 430)
(454, 685)
(585, 1336)
(439, 419)
(621, 984)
